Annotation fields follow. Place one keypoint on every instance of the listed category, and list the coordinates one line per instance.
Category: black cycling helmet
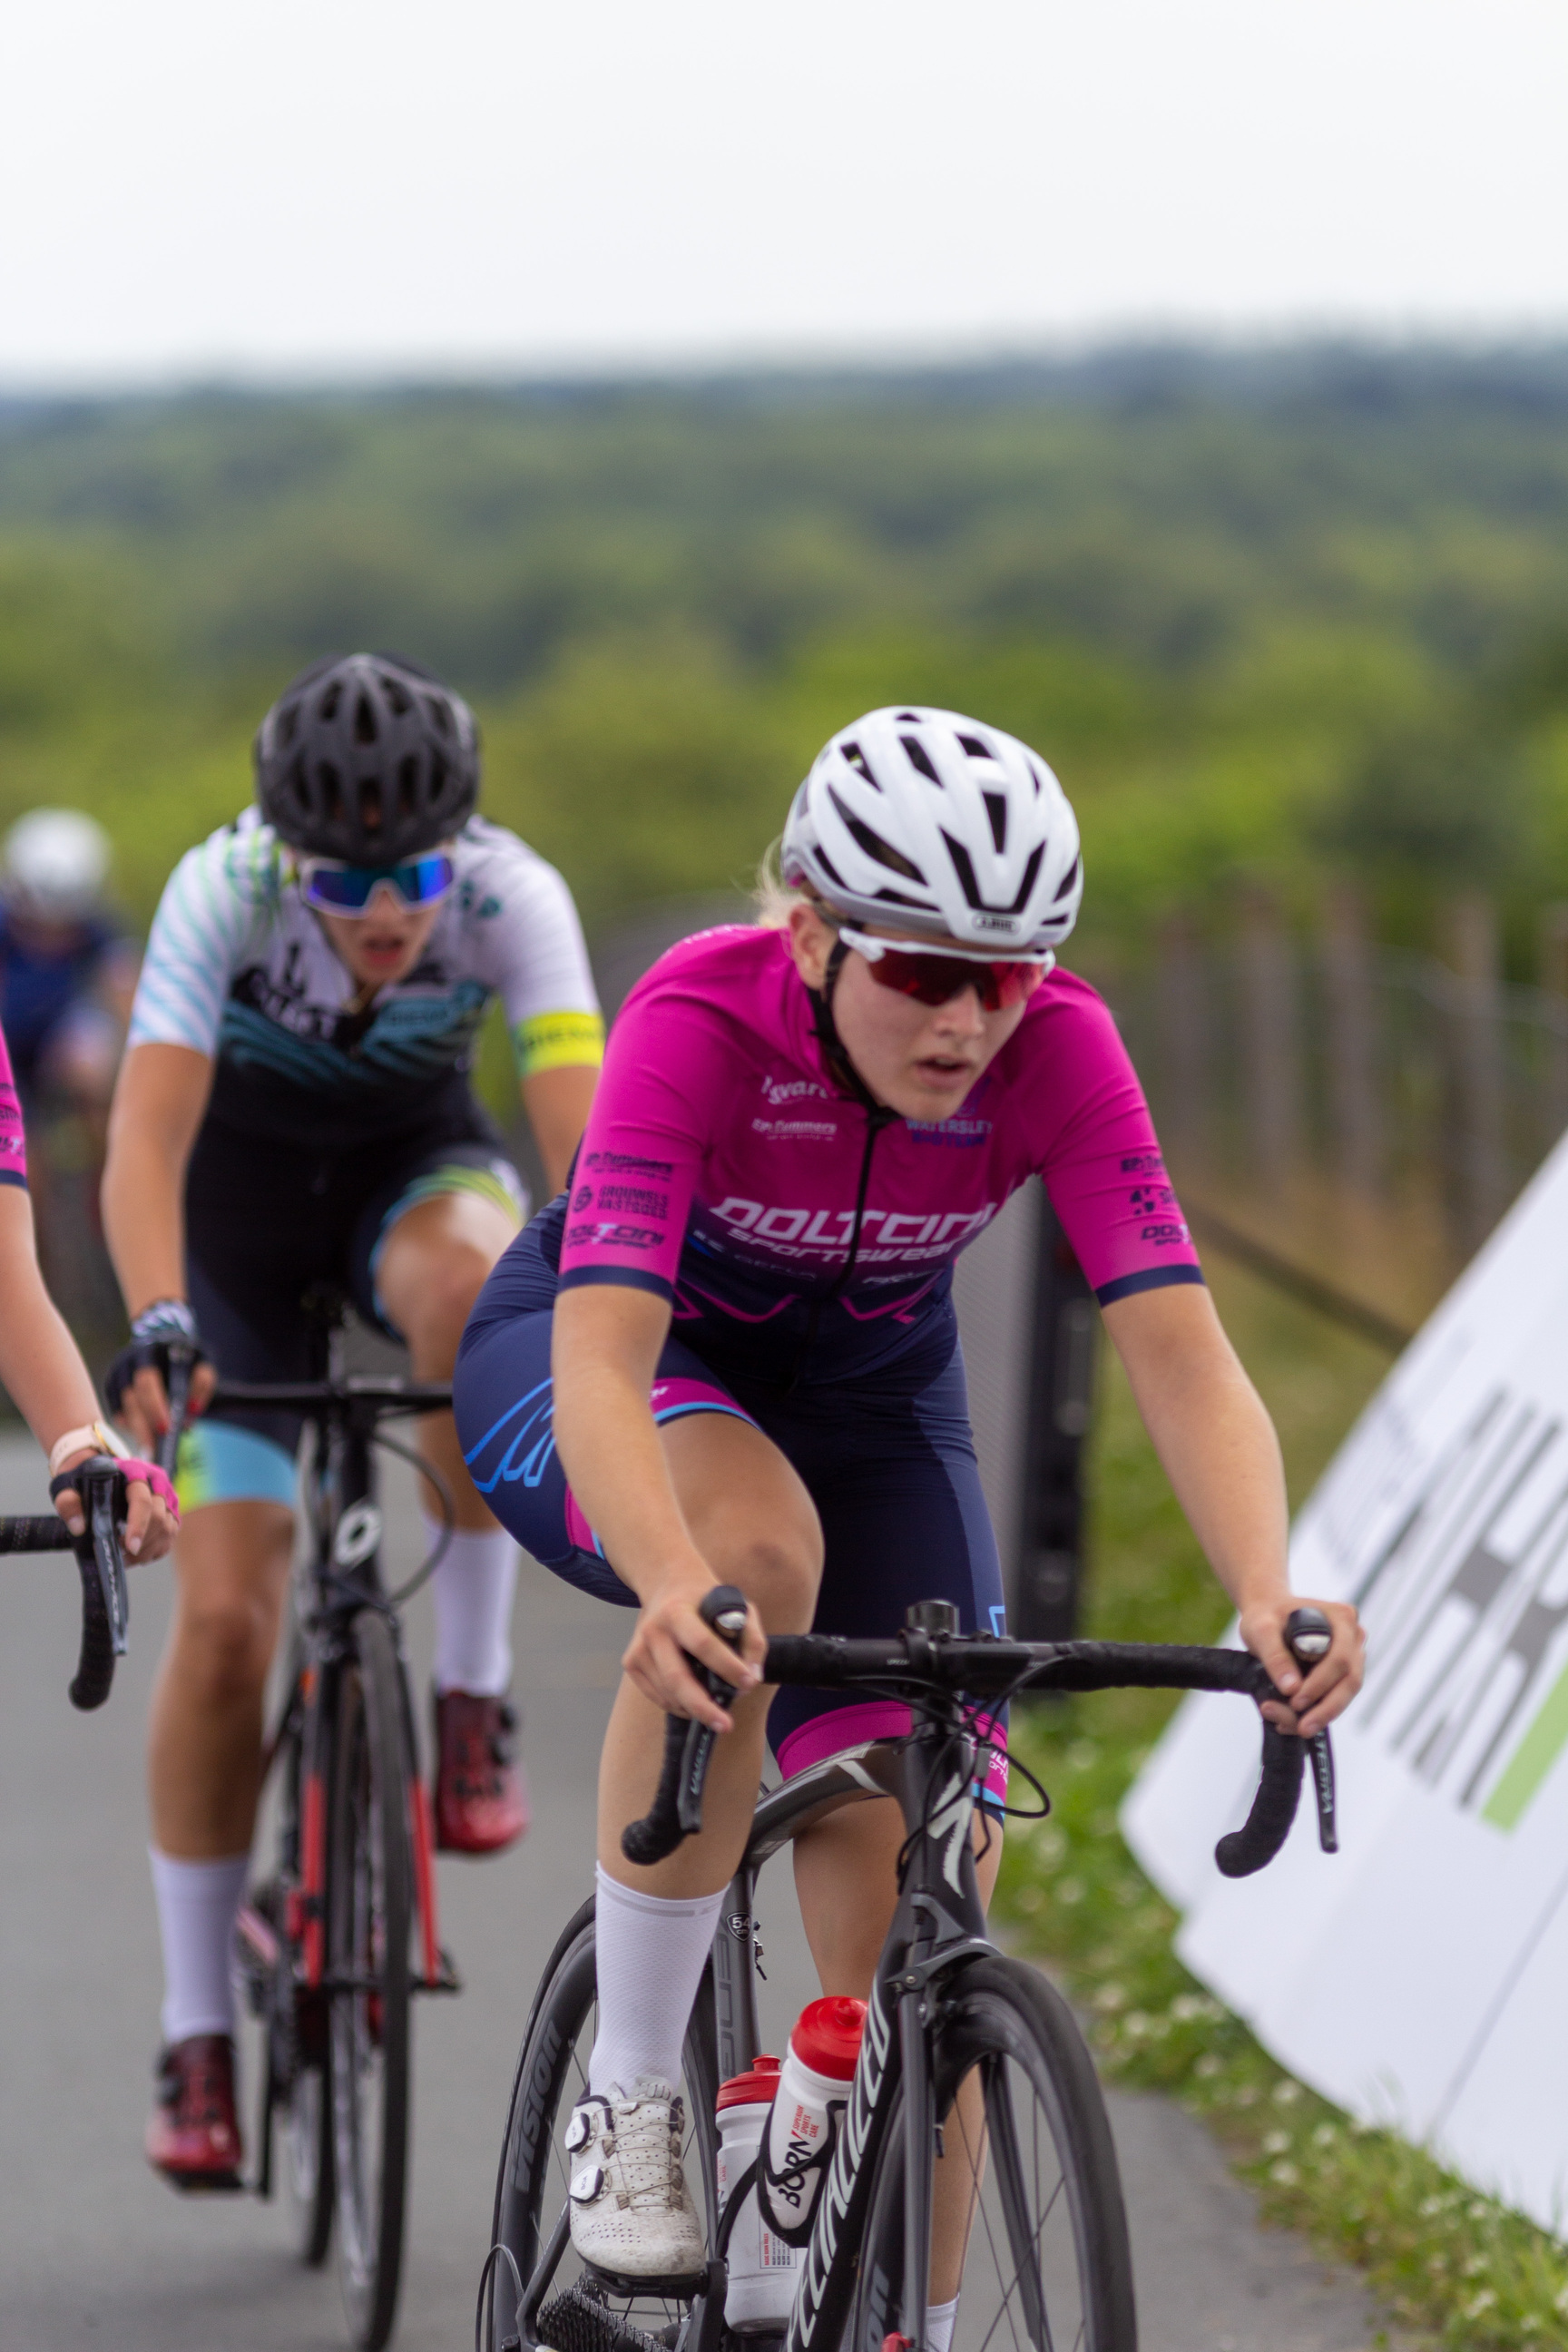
(368, 758)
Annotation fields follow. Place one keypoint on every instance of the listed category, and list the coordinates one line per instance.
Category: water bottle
(812, 2095)
(762, 2269)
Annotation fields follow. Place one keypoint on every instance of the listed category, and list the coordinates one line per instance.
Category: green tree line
(1272, 616)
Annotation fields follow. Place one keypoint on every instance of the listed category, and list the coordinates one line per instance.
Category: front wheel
(368, 1979)
(1027, 2208)
(530, 2252)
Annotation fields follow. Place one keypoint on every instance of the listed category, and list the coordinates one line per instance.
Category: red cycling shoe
(193, 2133)
(482, 1797)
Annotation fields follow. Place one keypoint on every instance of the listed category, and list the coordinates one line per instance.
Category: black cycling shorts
(265, 1222)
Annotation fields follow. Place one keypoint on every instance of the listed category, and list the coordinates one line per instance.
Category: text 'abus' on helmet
(925, 822)
(368, 758)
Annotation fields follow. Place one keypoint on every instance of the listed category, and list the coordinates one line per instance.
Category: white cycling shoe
(632, 2213)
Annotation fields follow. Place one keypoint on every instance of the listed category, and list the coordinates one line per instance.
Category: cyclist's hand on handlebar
(669, 1629)
(137, 1381)
(142, 1409)
(152, 1514)
(1318, 1696)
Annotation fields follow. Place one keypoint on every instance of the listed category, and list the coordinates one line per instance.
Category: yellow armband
(558, 1041)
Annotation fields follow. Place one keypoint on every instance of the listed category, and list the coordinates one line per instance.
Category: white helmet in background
(940, 826)
(55, 862)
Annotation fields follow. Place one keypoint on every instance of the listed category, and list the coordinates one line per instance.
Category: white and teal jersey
(238, 967)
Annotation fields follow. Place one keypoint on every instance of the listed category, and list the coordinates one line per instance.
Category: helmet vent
(976, 748)
(330, 699)
(996, 810)
(397, 693)
(407, 785)
(874, 846)
(364, 720)
(920, 758)
(856, 759)
(1031, 872)
(964, 868)
(331, 791)
(1068, 879)
(439, 716)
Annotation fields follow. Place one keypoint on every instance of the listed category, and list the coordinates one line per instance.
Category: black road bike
(341, 1930)
(969, 2058)
(105, 1601)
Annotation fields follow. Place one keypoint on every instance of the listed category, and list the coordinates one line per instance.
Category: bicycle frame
(939, 1920)
(341, 1578)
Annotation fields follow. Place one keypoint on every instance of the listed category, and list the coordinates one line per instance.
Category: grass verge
(1474, 2276)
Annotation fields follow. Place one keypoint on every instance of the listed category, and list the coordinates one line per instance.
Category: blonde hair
(773, 896)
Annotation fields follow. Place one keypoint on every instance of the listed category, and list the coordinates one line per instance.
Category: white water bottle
(762, 2269)
(812, 2092)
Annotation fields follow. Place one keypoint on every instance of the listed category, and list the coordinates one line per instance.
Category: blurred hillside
(1273, 616)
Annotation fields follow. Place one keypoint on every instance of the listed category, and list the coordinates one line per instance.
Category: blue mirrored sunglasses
(348, 889)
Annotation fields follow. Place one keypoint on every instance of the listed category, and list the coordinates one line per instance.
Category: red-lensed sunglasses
(932, 978)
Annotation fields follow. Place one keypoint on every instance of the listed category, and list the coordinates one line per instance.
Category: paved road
(96, 2256)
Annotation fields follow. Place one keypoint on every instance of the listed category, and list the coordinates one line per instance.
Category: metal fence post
(1349, 994)
(1182, 1010)
(1481, 1165)
(1554, 987)
(1270, 1037)
(1048, 1575)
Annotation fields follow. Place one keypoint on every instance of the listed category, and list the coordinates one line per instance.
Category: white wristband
(97, 1437)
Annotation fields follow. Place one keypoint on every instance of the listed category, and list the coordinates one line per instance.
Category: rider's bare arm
(605, 1356)
(558, 1103)
(159, 1103)
(1212, 1434)
(44, 1376)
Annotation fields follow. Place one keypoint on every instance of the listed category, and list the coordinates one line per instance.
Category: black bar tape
(1267, 1825)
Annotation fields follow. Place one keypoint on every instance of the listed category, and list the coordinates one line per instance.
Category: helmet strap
(834, 1051)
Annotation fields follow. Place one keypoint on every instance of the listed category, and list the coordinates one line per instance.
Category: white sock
(473, 1590)
(940, 2317)
(198, 1902)
(649, 1952)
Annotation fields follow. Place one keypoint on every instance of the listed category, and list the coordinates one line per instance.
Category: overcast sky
(327, 186)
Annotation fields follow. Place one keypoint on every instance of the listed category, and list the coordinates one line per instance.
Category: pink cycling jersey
(722, 1166)
(13, 1141)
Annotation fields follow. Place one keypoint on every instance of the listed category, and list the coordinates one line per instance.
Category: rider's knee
(439, 1303)
(779, 1568)
(227, 1649)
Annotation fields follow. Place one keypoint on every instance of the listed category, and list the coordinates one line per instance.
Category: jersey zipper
(877, 1116)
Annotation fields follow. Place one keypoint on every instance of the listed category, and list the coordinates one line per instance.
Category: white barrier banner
(1420, 1976)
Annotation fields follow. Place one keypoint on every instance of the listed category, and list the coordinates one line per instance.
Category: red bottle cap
(826, 2036)
(755, 2089)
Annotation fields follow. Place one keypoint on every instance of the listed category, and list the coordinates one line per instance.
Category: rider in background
(744, 1307)
(68, 969)
(294, 1110)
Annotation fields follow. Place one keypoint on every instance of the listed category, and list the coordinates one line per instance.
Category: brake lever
(181, 1359)
(1308, 1636)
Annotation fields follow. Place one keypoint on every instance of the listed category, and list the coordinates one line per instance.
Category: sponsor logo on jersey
(962, 1133)
(795, 1130)
(1163, 1236)
(629, 1200)
(627, 1163)
(583, 1198)
(884, 1232)
(1146, 1200)
(607, 1235)
(1142, 1163)
(786, 1090)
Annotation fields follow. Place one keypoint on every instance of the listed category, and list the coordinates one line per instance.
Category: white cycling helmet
(941, 827)
(56, 864)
